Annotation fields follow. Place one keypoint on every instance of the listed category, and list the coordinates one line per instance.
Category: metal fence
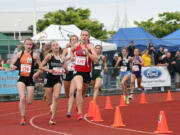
(110, 86)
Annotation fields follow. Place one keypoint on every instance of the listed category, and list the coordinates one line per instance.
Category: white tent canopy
(61, 33)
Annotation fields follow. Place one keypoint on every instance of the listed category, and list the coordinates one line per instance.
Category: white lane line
(126, 129)
(7, 114)
(44, 129)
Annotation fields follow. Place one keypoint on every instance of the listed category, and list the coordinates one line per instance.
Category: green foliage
(167, 23)
(79, 17)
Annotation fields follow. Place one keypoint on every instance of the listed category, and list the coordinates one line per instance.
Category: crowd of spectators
(151, 57)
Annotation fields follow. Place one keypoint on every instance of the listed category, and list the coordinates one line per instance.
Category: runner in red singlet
(84, 55)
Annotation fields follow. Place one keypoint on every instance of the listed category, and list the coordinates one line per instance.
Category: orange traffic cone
(143, 99)
(162, 124)
(90, 110)
(108, 103)
(93, 107)
(97, 116)
(169, 97)
(122, 102)
(117, 118)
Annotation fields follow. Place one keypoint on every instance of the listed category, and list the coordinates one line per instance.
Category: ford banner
(155, 76)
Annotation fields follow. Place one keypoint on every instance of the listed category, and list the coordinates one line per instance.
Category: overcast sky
(102, 10)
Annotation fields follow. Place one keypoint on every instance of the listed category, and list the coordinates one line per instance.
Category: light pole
(15, 25)
(19, 24)
(34, 16)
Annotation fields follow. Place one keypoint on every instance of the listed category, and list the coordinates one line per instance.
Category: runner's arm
(13, 67)
(142, 61)
(64, 53)
(37, 59)
(72, 53)
(93, 54)
(44, 62)
(117, 63)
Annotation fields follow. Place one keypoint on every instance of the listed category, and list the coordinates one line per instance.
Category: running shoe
(131, 96)
(23, 121)
(68, 114)
(124, 98)
(52, 122)
(127, 100)
(79, 116)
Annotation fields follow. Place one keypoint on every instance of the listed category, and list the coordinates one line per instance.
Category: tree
(79, 17)
(167, 23)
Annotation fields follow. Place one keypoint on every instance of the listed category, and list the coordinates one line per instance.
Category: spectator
(177, 73)
(7, 65)
(165, 53)
(160, 51)
(115, 73)
(161, 61)
(37, 48)
(42, 56)
(176, 55)
(170, 62)
(146, 58)
(107, 76)
(131, 49)
(1, 65)
(18, 49)
(153, 54)
(120, 54)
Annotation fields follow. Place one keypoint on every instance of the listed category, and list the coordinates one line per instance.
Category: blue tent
(140, 37)
(173, 38)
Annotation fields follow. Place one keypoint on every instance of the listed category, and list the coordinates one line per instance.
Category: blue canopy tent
(173, 38)
(140, 37)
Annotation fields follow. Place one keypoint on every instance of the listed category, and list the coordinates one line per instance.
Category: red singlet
(82, 60)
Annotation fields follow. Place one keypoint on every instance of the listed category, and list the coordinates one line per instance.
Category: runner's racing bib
(98, 67)
(80, 60)
(58, 70)
(123, 68)
(71, 67)
(25, 68)
(135, 68)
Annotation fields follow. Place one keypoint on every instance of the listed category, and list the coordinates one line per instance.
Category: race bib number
(123, 68)
(71, 67)
(80, 61)
(135, 68)
(25, 68)
(97, 67)
(58, 71)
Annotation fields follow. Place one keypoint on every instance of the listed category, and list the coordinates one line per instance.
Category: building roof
(18, 21)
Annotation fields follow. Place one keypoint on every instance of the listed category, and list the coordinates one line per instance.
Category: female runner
(97, 71)
(84, 55)
(125, 73)
(66, 56)
(137, 63)
(54, 82)
(26, 60)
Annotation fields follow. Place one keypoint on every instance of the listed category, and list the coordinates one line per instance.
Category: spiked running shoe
(68, 114)
(23, 121)
(79, 117)
(52, 122)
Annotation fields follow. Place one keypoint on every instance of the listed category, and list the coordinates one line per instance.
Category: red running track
(139, 119)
